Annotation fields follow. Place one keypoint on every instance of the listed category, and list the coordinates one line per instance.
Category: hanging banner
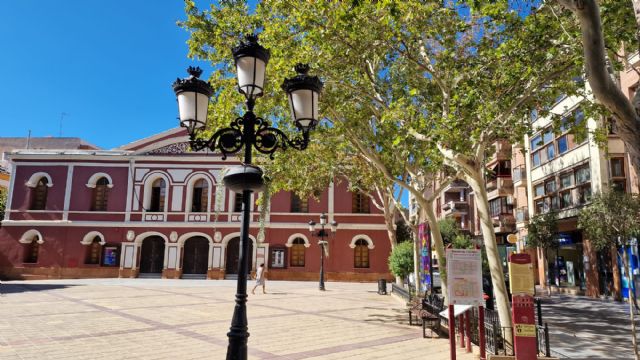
(425, 258)
(464, 275)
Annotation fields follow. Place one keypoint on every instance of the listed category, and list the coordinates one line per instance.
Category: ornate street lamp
(250, 132)
(322, 233)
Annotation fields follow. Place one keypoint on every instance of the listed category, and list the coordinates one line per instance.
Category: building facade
(154, 209)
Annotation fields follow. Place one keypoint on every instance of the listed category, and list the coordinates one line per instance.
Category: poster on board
(464, 276)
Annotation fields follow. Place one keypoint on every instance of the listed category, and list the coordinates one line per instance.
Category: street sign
(464, 276)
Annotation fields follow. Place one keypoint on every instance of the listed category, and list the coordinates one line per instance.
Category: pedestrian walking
(260, 278)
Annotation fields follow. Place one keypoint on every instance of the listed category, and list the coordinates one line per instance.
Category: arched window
(199, 198)
(158, 191)
(361, 254)
(94, 251)
(31, 252)
(297, 252)
(39, 201)
(100, 193)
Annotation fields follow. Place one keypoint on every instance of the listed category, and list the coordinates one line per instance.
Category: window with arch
(158, 194)
(359, 203)
(31, 251)
(39, 200)
(94, 250)
(297, 252)
(100, 193)
(361, 254)
(200, 195)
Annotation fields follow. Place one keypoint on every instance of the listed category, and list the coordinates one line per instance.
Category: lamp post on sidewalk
(322, 233)
(250, 132)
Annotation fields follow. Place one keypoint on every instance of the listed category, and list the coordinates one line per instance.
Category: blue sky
(108, 64)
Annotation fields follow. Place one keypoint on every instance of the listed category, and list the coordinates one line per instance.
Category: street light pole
(250, 132)
(322, 242)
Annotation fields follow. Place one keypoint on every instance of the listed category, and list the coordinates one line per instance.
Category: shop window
(297, 252)
(39, 201)
(237, 203)
(158, 195)
(278, 258)
(94, 250)
(31, 251)
(100, 193)
(200, 196)
(110, 255)
(298, 204)
(359, 203)
(361, 254)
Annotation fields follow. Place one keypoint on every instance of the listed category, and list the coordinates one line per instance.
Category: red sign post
(521, 283)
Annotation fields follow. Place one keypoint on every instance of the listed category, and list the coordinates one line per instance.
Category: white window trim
(88, 238)
(189, 197)
(362, 237)
(148, 184)
(95, 177)
(30, 235)
(33, 180)
(295, 236)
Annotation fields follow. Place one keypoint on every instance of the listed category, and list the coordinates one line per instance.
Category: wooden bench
(427, 309)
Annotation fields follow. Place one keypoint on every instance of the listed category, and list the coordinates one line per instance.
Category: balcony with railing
(455, 208)
(499, 186)
(504, 223)
(456, 186)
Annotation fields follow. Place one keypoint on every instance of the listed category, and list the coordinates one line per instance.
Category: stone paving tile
(164, 319)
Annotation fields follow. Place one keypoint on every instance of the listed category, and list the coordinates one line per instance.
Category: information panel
(464, 276)
(521, 274)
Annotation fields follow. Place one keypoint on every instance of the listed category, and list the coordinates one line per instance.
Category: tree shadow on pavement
(6, 289)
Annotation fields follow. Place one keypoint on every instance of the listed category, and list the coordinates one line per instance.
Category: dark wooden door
(152, 255)
(233, 255)
(196, 252)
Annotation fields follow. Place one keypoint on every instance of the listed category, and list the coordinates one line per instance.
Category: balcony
(455, 208)
(519, 176)
(503, 151)
(522, 214)
(504, 223)
(456, 186)
(501, 186)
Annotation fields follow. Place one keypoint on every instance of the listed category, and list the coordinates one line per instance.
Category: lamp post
(322, 233)
(250, 132)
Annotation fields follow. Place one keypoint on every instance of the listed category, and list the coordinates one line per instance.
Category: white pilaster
(67, 193)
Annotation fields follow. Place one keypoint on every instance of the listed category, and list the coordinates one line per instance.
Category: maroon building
(151, 208)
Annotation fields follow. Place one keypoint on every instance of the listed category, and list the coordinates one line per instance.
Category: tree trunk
(476, 181)
(439, 248)
(604, 89)
(416, 261)
(625, 262)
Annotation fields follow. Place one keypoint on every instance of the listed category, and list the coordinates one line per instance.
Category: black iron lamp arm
(251, 130)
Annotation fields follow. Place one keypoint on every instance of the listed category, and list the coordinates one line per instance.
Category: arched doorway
(152, 255)
(233, 256)
(195, 256)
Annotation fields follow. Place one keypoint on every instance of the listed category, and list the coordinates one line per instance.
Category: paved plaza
(189, 319)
